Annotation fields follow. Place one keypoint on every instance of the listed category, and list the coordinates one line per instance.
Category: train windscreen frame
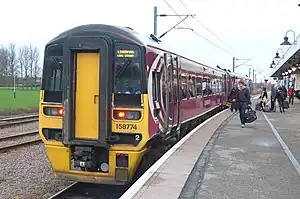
(53, 74)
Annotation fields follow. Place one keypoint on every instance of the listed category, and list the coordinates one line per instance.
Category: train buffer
(221, 160)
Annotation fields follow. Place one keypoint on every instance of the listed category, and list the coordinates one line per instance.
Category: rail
(6, 122)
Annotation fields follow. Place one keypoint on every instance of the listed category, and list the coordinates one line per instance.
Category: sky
(245, 29)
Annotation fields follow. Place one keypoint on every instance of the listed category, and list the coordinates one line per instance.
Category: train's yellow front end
(93, 115)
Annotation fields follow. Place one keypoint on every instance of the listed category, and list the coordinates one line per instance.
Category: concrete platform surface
(248, 163)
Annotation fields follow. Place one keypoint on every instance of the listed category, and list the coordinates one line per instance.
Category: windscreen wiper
(123, 68)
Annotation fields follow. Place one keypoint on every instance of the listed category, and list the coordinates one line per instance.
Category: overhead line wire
(196, 32)
(184, 5)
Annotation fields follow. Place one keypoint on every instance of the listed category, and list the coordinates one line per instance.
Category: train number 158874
(126, 126)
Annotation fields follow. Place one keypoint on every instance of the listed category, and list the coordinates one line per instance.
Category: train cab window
(52, 80)
(183, 87)
(53, 73)
(199, 86)
(192, 86)
(128, 69)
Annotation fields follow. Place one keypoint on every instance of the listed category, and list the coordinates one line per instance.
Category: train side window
(218, 85)
(222, 87)
(214, 86)
(204, 88)
(192, 86)
(183, 87)
(208, 87)
(199, 86)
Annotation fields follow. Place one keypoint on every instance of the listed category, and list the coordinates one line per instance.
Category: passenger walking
(264, 98)
(280, 96)
(273, 95)
(292, 93)
(243, 101)
(232, 96)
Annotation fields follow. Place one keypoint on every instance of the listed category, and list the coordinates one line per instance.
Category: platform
(259, 161)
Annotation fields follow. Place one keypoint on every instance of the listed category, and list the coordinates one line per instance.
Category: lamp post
(165, 15)
(285, 39)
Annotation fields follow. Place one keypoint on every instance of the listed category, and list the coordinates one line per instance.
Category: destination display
(127, 53)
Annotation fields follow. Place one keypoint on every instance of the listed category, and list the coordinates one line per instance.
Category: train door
(86, 95)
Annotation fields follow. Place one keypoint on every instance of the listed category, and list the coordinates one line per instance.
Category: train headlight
(104, 167)
(127, 115)
(53, 111)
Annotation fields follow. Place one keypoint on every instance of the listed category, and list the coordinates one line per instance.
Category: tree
(3, 65)
(23, 61)
(12, 63)
(33, 63)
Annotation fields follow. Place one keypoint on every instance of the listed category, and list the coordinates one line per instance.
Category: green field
(25, 99)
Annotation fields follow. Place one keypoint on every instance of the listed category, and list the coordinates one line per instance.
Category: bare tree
(23, 61)
(36, 65)
(3, 66)
(33, 62)
(12, 60)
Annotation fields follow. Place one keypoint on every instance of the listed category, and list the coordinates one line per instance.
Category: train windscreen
(52, 74)
(127, 70)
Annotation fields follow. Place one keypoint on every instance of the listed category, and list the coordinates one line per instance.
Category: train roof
(119, 33)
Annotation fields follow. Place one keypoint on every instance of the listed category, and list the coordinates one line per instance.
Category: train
(109, 93)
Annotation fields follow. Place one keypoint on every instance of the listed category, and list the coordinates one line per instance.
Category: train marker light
(60, 111)
(121, 114)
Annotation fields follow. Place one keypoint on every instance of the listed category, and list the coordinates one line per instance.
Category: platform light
(294, 68)
(286, 72)
(277, 56)
(290, 70)
(285, 41)
(283, 73)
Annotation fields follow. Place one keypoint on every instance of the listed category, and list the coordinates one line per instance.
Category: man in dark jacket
(243, 100)
(273, 95)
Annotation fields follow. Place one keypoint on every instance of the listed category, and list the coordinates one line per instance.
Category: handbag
(250, 115)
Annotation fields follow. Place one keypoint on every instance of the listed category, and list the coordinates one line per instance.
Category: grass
(26, 101)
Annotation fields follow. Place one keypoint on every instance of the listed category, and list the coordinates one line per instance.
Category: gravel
(16, 129)
(26, 174)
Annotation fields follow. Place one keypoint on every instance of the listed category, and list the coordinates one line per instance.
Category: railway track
(20, 139)
(6, 122)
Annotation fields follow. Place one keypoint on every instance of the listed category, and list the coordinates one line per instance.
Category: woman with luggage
(264, 98)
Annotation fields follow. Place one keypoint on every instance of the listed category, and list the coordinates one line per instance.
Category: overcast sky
(250, 28)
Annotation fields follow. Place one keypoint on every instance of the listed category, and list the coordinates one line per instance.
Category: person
(280, 96)
(284, 90)
(232, 96)
(243, 101)
(264, 98)
(291, 93)
(273, 95)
